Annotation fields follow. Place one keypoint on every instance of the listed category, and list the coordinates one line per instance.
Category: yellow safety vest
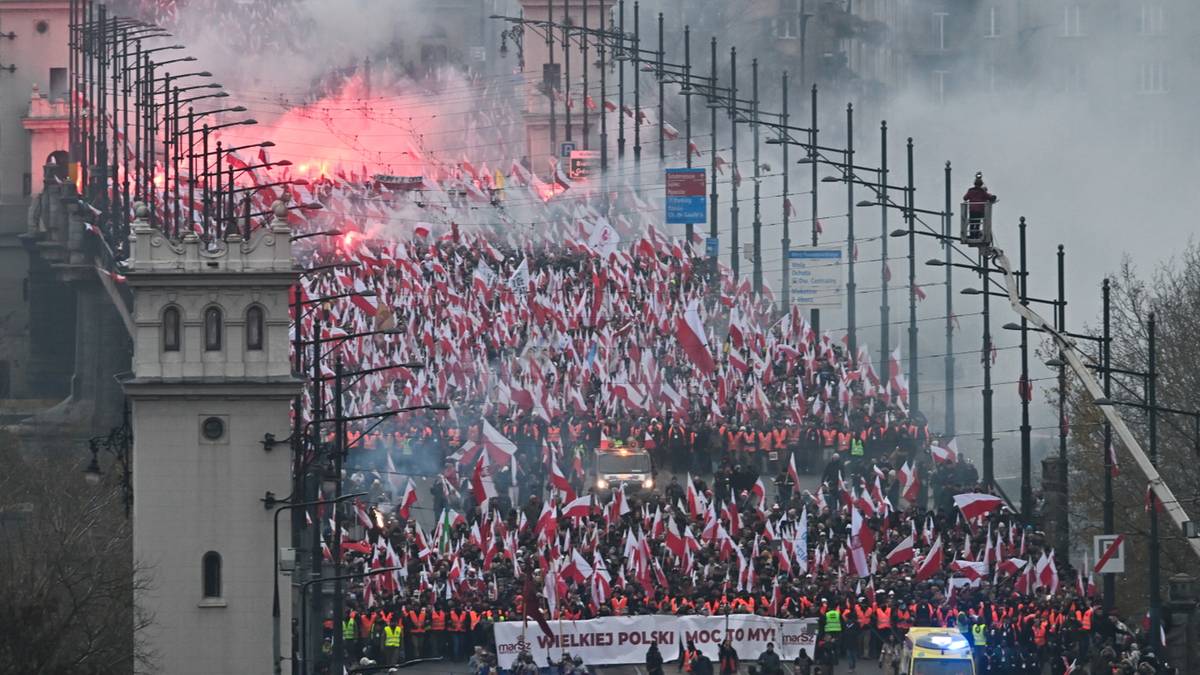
(348, 629)
(979, 631)
(833, 621)
(392, 635)
(856, 448)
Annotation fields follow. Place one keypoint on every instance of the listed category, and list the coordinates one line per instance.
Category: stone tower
(211, 375)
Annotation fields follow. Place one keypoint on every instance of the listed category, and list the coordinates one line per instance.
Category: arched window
(254, 328)
(213, 329)
(170, 329)
(212, 574)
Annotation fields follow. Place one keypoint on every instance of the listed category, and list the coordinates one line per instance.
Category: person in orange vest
(437, 630)
(748, 440)
(459, 623)
(418, 629)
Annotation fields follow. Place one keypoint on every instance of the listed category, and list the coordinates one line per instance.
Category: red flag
(902, 553)
(690, 332)
(975, 504)
(1025, 389)
(533, 608)
(931, 563)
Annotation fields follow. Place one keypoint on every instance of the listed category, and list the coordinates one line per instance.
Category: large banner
(620, 640)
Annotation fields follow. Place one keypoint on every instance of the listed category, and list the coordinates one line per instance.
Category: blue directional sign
(686, 200)
(711, 246)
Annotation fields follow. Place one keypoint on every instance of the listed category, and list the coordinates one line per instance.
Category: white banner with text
(620, 640)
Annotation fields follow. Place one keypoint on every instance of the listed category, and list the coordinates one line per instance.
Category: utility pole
(734, 253)
(551, 85)
(689, 228)
(989, 477)
(948, 367)
(587, 130)
(1025, 390)
(1110, 589)
(339, 449)
(1152, 409)
(713, 213)
(914, 386)
(622, 57)
(785, 281)
(637, 93)
(662, 142)
(1064, 524)
(814, 313)
(757, 225)
(566, 47)
(851, 287)
(884, 273)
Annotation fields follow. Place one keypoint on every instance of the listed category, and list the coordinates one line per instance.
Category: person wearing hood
(654, 660)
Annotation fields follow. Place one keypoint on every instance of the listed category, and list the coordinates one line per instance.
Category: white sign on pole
(816, 277)
(1109, 550)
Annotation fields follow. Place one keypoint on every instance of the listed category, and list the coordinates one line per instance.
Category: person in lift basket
(977, 198)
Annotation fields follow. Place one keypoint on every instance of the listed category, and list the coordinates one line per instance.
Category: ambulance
(936, 651)
(623, 465)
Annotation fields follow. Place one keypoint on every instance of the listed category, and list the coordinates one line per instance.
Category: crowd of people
(557, 352)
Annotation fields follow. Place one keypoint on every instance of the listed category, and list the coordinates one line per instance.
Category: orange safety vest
(458, 621)
(829, 437)
(779, 436)
(1084, 619)
(475, 618)
(618, 606)
(1039, 635)
(862, 616)
(764, 441)
(554, 434)
(748, 441)
(884, 616)
(437, 620)
(903, 618)
(417, 620)
(734, 440)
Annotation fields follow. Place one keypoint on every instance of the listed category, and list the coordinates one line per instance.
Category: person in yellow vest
(979, 638)
(350, 636)
(393, 643)
(831, 626)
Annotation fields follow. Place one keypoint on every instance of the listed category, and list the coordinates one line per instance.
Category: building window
(1153, 78)
(1152, 19)
(211, 582)
(170, 330)
(991, 28)
(58, 84)
(254, 328)
(939, 30)
(212, 329)
(939, 86)
(787, 22)
(1072, 21)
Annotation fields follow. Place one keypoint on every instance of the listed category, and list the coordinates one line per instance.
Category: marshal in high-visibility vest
(979, 633)
(833, 621)
(393, 636)
(856, 448)
(350, 629)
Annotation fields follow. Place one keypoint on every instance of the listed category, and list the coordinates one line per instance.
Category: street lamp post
(1152, 404)
(1026, 391)
(277, 656)
(1109, 582)
(910, 197)
(310, 663)
(948, 367)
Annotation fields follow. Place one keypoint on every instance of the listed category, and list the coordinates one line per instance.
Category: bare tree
(1173, 294)
(67, 574)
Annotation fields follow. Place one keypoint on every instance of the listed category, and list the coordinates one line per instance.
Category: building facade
(33, 87)
(211, 376)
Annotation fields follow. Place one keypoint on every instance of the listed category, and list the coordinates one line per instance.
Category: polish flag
(482, 486)
(1011, 566)
(976, 504)
(369, 304)
(690, 332)
(860, 542)
(970, 569)
(560, 482)
(792, 473)
(407, 500)
(1047, 573)
(942, 455)
(547, 522)
(578, 508)
(695, 500)
(902, 553)
(910, 484)
(931, 563)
